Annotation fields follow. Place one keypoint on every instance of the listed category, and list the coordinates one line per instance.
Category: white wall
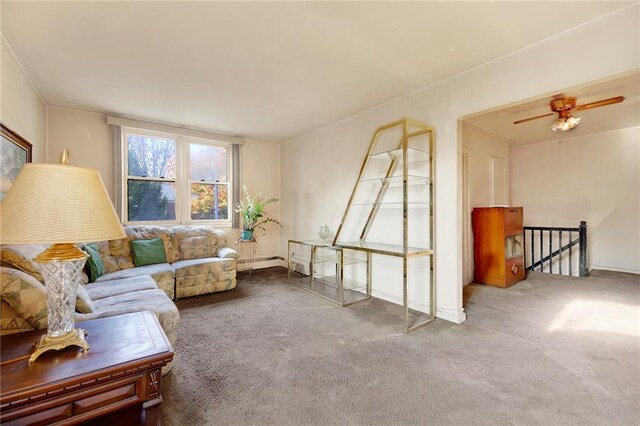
(319, 169)
(260, 163)
(595, 178)
(89, 141)
(21, 108)
(481, 145)
(87, 138)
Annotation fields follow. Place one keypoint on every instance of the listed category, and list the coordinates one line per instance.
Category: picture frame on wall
(15, 152)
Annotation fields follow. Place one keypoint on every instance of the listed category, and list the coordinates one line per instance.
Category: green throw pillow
(148, 252)
(96, 267)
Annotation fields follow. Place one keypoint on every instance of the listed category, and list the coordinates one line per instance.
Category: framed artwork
(15, 151)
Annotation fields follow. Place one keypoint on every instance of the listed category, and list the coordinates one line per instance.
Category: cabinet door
(513, 220)
(514, 271)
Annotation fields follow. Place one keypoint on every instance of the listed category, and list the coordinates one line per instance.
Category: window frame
(182, 179)
(187, 203)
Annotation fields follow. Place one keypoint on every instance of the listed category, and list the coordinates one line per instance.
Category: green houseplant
(251, 208)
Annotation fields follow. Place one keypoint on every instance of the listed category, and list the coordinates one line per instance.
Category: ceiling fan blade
(597, 104)
(524, 120)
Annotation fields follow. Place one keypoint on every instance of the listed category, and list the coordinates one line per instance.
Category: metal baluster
(550, 251)
(560, 255)
(541, 252)
(570, 253)
(532, 252)
(583, 270)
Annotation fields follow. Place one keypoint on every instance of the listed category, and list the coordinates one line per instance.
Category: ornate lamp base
(75, 337)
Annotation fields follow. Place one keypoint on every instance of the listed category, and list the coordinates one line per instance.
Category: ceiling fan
(564, 106)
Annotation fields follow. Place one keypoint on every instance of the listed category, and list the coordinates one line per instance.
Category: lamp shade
(52, 203)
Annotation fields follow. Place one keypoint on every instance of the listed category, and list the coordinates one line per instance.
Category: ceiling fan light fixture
(564, 124)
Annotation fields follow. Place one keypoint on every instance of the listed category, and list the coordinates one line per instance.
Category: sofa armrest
(109, 313)
(227, 253)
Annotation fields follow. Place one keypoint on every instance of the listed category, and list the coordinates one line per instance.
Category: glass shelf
(329, 291)
(333, 258)
(331, 281)
(388, 249)
(413, 154)
(317, 243)
(411, 204)
(411, 179)
(347, 260)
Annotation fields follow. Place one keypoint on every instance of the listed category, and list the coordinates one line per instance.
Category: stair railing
(549, 236)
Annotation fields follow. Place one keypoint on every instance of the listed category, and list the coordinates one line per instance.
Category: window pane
(207, 163)
(151, 156)
(151, 200)
(209, 202)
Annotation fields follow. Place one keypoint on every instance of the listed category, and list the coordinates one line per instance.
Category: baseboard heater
(260, 259)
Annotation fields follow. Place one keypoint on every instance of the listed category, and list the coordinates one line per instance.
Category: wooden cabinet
(498, 245)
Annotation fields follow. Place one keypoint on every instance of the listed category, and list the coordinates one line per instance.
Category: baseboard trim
(614, 269)
(261, 263)
(456, 316)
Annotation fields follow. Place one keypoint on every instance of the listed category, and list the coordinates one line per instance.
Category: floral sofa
(198, 262)
(198, 259)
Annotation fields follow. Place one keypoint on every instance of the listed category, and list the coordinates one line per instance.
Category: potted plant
(253, 215)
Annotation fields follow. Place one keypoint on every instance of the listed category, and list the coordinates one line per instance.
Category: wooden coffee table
(117, 380)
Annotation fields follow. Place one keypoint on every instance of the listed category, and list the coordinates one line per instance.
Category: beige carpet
(547, 351)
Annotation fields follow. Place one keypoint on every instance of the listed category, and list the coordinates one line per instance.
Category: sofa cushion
(121, 250)
(148, 252)
(26, 295)
(194, 248)
(202, 276)
(83, 301)
(162, 274)
(181, 236)
(110, 263)
(95, 264)
(10, 321)
(102, 289)
(151, 300)
(214, 268)
(20, 257)
(192, 286)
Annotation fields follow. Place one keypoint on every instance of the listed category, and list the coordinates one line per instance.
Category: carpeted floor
(548, 351)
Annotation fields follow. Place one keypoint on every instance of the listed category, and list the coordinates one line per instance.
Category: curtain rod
(182, 131)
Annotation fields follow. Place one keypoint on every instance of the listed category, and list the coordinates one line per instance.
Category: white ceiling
(596, 120)
(263, 70)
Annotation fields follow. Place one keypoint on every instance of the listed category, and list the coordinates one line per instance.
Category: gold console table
(323, 267)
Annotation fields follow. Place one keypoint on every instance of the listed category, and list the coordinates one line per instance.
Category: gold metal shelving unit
(406, 152)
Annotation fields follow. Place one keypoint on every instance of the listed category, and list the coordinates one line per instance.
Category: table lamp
(59, 205)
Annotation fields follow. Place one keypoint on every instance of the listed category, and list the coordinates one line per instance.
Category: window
(174, 179)
(208, 182)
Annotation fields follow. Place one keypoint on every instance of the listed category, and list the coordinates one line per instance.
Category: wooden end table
(117, 380)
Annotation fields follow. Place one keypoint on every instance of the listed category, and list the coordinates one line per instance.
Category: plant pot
(247, 235)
